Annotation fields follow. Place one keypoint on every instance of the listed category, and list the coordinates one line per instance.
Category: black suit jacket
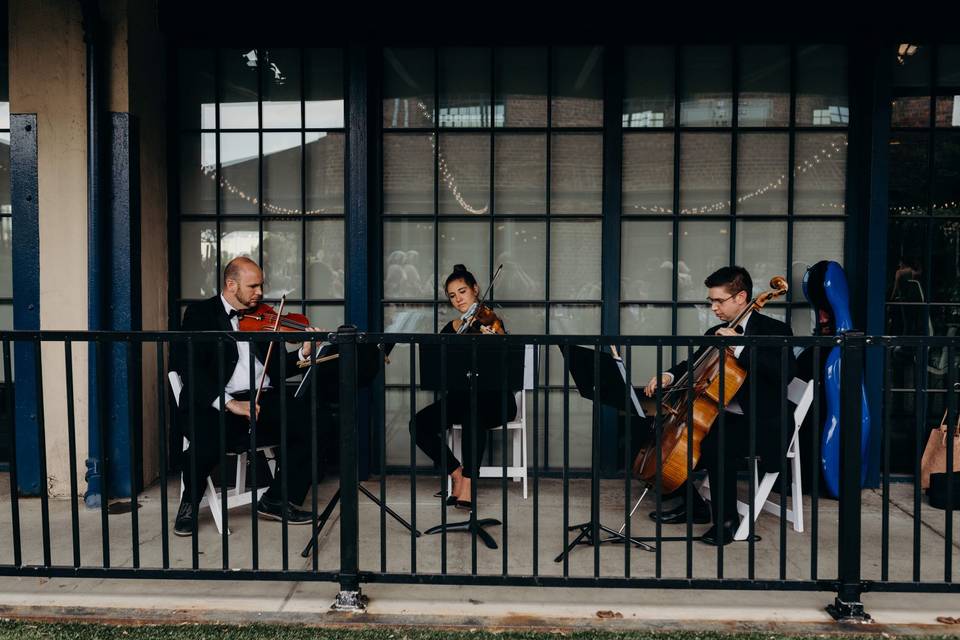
(210, 315)
(769, 381)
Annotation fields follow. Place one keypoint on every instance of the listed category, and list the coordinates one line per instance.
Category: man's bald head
(242, 283)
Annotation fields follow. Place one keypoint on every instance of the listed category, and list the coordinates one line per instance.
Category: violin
(265, 318)
(489, 321)
(678, 421)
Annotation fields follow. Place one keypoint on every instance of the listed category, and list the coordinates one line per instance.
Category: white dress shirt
(240, 379)
(734, 406)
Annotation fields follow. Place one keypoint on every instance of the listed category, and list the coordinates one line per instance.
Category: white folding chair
(516, 432)
(238, 496)
(800, 393)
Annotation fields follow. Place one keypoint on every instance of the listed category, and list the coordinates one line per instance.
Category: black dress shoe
(451, 500)
(725, 535)
(678, 515)
(274, 510)
(183, 526)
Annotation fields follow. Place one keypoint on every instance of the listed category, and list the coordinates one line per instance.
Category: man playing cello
(729, 292)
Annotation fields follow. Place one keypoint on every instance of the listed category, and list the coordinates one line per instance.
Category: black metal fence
(850, 547)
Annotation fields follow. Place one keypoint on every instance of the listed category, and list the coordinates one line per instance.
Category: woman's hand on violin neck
(308, 344)
(241, 408)
(651, 389)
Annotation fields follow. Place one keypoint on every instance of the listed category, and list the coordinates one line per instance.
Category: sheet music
(633, 392)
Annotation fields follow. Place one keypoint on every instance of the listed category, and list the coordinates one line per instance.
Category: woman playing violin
(463, 292)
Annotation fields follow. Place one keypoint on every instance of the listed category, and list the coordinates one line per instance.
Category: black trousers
(205, 445)
(431, 433)
(736, 448)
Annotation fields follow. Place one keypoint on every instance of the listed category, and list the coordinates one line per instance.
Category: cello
(684, 424)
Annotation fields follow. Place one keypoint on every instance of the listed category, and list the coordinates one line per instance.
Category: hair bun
(457, 268)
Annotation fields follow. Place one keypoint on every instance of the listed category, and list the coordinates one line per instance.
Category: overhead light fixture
(904, 50)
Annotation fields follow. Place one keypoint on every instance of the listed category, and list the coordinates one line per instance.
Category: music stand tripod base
(470, 526)
(334, 500)
(585, 537)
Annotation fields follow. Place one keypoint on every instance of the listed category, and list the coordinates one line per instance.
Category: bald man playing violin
(202, 391)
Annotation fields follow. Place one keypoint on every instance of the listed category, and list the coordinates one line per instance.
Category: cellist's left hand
(307, 347)
(727, 332)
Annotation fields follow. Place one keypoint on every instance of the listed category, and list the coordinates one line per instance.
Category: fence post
(846, 606)
(349, 598)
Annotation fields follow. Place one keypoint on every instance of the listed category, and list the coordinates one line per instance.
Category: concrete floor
(499, 604)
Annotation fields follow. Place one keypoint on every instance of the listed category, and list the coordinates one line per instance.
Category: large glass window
(492, 156)
(923, 250)
(261, 172)
(755, 175)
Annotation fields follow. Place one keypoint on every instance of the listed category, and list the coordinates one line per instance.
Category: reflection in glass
(648, 173)
(324, 170)
(198, 161)
(645, 320)
(948, 65)
(6, 324)
(323, 93)
(239, 172)
(325, 316)
(466, 243)
(945, 264)
(575, 260)
(195, 89)
(324, 259)
(408, 172)
(802, 321)
(397, 416)
(762, 250)
(576, 173)
(282, 259)
(408, 267)
(707, 99)
(694, 321)
(946, 177)
(704, 248)
(408, 87)
(577, 87)
(520, 173)
(521, 87)
(948, 111)
(522, 320)
(521, 248)
(464, 87)
(238, 88)
(909, 173)
(910, 106)
(569, 319)
(239, 239)
(280, 88)
(198, 259)
(762, 173)
(764, 99)
(910, 111)
(813, 242)
(464, 165)
(822, 86)
(647, 260)
(404, 318)
(649, 92)
(820, 169)
(704, 173)
(6, 257)
(281, 173)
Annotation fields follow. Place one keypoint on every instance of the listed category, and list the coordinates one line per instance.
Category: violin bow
(266, 364)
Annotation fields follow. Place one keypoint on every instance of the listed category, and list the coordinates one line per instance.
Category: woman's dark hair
(460, 273)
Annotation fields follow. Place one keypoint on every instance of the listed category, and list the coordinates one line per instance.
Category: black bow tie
(233, 313)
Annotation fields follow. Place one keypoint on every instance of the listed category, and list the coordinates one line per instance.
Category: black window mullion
(218, 208)
(546, 285)
(791, 169)
(436, 190)
(490, 199)
(734, 145)
(674, 285)
(260, 62)
(303, 186)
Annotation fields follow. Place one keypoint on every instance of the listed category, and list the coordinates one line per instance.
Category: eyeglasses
(720, 301)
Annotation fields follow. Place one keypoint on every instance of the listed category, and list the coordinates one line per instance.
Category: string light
(445, 175)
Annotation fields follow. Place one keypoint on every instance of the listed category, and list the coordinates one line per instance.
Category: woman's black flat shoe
(466, 505)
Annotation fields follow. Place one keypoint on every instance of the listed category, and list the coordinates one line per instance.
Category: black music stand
(608, 388)
(463, 373)
(369, 360)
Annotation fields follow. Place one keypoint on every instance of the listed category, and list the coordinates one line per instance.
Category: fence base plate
(848, 612)
(350, 602)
